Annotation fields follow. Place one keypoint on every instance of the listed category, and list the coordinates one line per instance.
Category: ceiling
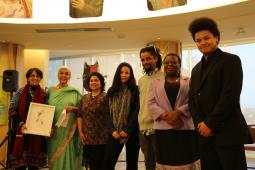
(130, 34)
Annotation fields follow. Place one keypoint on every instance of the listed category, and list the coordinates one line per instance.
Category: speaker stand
(7, 137)
(1, 144)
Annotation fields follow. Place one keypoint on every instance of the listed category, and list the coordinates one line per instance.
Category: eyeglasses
(170, 63)
(34, 76)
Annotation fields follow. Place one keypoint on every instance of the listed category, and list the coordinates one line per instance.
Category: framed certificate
(39, 119)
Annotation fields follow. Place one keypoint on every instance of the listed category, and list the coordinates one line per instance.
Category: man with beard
(151, 61)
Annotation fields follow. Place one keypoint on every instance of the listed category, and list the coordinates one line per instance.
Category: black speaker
(10, 80)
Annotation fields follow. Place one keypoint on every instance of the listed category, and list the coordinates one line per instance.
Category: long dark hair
(155, 52)
(116, 84)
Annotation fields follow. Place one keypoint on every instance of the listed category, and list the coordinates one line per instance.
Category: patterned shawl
(119, 106)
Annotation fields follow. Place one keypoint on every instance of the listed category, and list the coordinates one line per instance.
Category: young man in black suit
(216, 84)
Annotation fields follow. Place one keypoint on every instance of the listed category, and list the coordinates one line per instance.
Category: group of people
(179, 123)
(34, 151)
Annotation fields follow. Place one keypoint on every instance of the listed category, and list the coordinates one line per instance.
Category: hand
(115, 134)
(204, 130)
(82, 137)
(51, 132)
(78, 4)
(172, 116)
(177, 124)
(163, 116)
(123, 134)
(166, 3)
(70, 109)
(23, 128)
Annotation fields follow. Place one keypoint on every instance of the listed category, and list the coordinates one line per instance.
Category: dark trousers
(148, 147)
(29, 168)
(222, 157)
(94, 156)
(114, 148)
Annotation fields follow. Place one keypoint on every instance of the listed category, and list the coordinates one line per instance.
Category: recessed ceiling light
(240, 31)
(121, 36)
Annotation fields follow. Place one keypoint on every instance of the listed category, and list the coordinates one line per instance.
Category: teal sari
(64, 147)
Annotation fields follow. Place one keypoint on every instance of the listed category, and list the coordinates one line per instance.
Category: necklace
(172, 81)
(95, 94)
(59, 86)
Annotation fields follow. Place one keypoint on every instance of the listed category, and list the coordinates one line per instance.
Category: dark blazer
(214, 98)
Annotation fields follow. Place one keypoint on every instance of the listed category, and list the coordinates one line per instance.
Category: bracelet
(21, 123)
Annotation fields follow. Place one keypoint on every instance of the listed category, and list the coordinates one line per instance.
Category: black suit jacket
(214, 98)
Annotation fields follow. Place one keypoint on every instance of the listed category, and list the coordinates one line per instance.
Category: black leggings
(93, 156)
(114, 148)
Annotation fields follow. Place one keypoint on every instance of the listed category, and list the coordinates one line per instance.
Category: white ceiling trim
(57, 11)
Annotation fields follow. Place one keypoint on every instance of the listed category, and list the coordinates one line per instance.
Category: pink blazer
(158, 103)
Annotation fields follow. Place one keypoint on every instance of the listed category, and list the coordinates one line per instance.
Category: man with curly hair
(214, 101)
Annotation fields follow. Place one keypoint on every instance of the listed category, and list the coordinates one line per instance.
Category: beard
(148, 70)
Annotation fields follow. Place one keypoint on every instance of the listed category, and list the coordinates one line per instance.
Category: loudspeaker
(10, 80)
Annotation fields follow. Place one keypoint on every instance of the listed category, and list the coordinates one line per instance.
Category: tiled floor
(121, 165)
(250, 159)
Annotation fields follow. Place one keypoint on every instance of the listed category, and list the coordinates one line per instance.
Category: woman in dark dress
(92, 122)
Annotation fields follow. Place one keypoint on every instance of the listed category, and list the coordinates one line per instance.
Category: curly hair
(155, 53)
(204, 23)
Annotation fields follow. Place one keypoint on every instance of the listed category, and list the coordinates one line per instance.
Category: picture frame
(39, 119)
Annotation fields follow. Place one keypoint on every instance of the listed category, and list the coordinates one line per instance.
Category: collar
(211, 57)
(152, 73)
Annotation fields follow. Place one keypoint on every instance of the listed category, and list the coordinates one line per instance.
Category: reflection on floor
(121, 165)
(250, 155)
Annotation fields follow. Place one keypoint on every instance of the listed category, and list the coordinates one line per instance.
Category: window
(245, 51)
(108, 64)
(53, 69)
